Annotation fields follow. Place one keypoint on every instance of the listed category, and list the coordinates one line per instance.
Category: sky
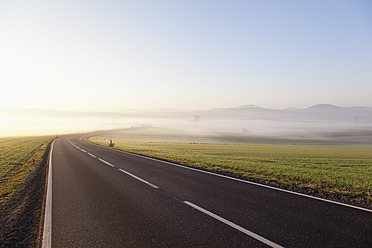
(118, 55)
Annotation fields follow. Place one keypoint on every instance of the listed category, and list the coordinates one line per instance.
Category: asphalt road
(107, 198)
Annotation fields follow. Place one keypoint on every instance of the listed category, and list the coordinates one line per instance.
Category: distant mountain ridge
(324, 106)
(250, 106)
(319, 112)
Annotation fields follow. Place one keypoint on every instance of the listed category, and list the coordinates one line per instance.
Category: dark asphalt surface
(95, 204)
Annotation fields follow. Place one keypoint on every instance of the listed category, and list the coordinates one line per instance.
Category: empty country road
(102, 197)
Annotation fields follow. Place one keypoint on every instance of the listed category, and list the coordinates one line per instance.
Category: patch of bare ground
(20, 220)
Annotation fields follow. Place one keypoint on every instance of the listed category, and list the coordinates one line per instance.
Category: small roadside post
(42, 145)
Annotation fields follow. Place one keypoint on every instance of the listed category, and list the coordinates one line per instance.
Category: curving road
(99, 197)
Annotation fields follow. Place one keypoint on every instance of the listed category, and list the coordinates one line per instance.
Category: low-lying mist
(318, 122)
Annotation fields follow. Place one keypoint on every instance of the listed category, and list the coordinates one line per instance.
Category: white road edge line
(83, 150)
(233, 225)
(140, 179)
(90, 154)
(47, 233)
(103, 161)
(235, 179)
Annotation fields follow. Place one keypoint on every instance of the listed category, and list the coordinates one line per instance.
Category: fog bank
(319, 121)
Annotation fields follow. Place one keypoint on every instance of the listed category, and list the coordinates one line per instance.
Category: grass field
(325, 165)
(16, 162)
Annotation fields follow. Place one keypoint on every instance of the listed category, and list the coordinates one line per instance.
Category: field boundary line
(47, 231)
(231, 178)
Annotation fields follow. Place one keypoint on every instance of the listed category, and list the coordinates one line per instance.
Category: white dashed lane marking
(90, 154)
(233, 225)
(140, 179)
(103, 161)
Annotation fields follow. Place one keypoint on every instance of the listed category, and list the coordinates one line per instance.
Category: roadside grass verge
(340, 169)
(16, 162)
(21, 193)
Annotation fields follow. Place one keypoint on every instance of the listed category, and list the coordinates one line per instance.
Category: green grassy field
(16, 162)
(325, 165)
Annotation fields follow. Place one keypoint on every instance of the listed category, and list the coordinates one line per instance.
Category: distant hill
(324, 107)
(249, 106)
(319, 112)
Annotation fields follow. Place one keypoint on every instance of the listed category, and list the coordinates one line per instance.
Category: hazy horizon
(313, 122)
(180, 55)
(128, 110)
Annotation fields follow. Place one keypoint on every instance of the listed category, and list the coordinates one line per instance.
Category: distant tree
(196, 118)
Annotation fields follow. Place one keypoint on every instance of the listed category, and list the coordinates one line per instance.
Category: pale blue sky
(185, 54)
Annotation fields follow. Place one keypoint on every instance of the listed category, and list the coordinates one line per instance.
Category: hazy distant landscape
(319, 121)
